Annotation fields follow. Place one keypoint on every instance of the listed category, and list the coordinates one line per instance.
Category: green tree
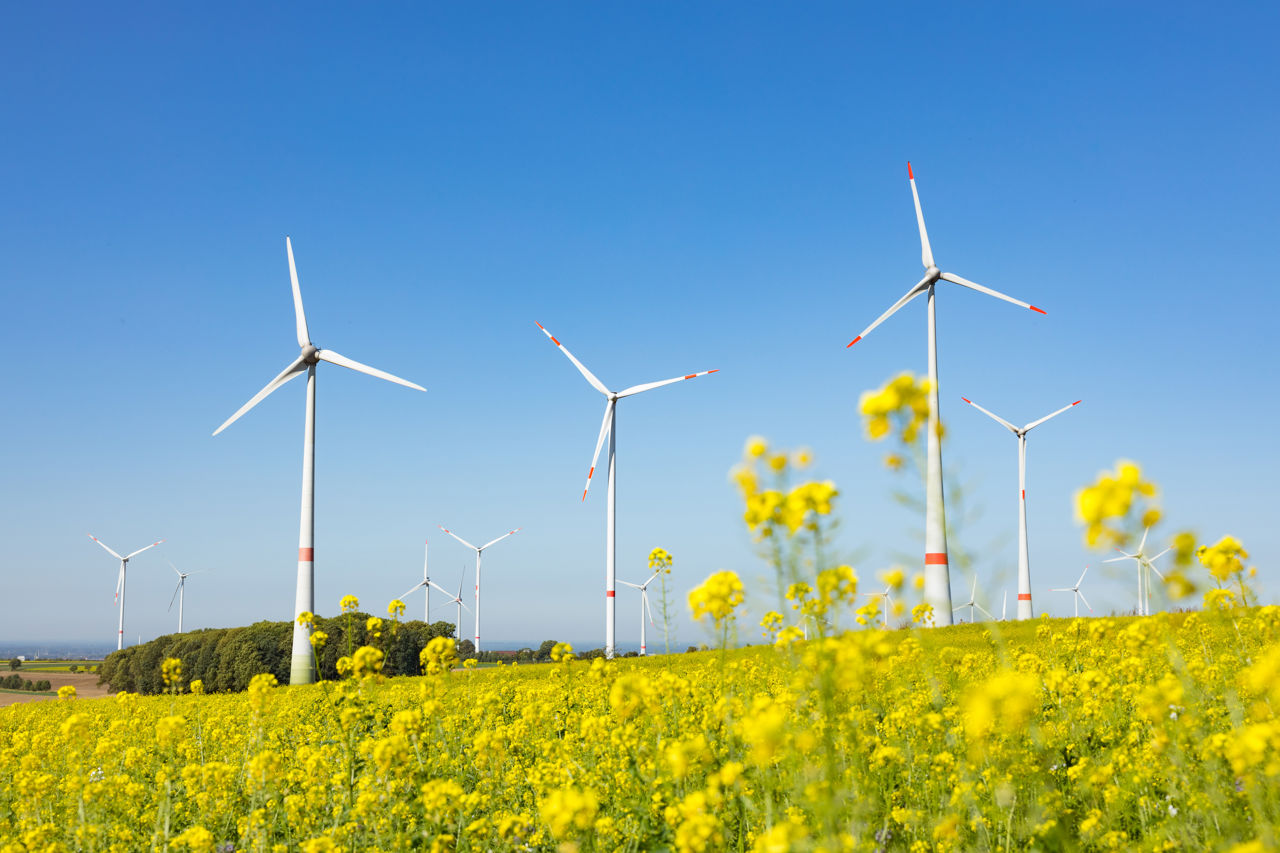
(14, 663)
(544, 650)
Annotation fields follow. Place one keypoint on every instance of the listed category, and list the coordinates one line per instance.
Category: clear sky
(668, 188)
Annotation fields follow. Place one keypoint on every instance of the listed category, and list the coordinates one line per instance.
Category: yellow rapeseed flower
(717, 597)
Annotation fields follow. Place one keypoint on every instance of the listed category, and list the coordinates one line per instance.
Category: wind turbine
(973, 602)
(1024, 555)
(644, 607)
(1144, 563)
(426, 582)
(609, 427)
(301, 669)
(180, 591)
(1075, 591)
(937, 578)
(124, 561)
(887, 600)
(478, 551)
(1004, 607)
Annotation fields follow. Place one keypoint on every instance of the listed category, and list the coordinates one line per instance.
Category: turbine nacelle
(310, 354)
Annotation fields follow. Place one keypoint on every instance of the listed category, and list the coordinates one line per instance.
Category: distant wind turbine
(478, 551)
(425, 583)
(1024, 555)
(610, 427)
(1078, 596)
(937, 577)
(973, 602)
(180, 591)
(1145, 565)
(888, 599)
(645, 610)
(124, 561)
(301, 668)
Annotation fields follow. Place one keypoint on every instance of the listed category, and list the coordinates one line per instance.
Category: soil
(85, 683)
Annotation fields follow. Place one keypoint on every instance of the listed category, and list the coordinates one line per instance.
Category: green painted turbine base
(302, 668)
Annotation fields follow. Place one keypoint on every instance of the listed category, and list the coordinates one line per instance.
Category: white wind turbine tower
(1004, 606)
(1024, 555)
(645, 610)
(1075, 591)
(478, 551)
(301, 669)
(1145, 564)
(180, 591)
(973, 602)
(124, 561)
(609, 427)
(426, 582)
(937, 578)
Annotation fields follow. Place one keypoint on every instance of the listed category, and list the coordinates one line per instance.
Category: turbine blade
(500, 538)
(335, 358)
(926, 253)
(1035, 424)
(442, 589)
(459, 538)
(299, 316)
(108, 550)
(587, 374)
(175, 595)
(983, 610)
(650, 580)
(1157, 571)
(140, 550)
(1161, 554)
(119, 583)
(632, 585)
(464, 606)
(648, 386)
(964, 282)
(1060, 589)
(1082, 574)
(413, 589)
(644, 601)
(297, 368)
(605, 426)
(1143, 543)
(993, 416)
(1118, 559)
(920, 287)
(1085, 600)
(175, 569)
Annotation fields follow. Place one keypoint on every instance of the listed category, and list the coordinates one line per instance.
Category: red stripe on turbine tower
(306, 555)
(1024, 596)
(935, 559)
(608, 593)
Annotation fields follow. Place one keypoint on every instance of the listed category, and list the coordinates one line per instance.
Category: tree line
(225, 659)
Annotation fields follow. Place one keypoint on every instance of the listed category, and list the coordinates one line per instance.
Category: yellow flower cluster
(717, 597)
(902, 402)
(1115, 504)
(782, 507)
(660, 560)
(1224, 559)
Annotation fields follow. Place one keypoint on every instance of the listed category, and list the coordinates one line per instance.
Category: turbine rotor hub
(933, 274)
(310, 354)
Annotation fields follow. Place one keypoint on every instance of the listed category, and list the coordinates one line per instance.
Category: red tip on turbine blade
(709, 372)
(852, 342)
(691, 376)
(910, 174)
(1077, 402)
(1037, 310)
(967, 400)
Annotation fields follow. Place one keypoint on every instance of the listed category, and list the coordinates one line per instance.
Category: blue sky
(668, 188)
